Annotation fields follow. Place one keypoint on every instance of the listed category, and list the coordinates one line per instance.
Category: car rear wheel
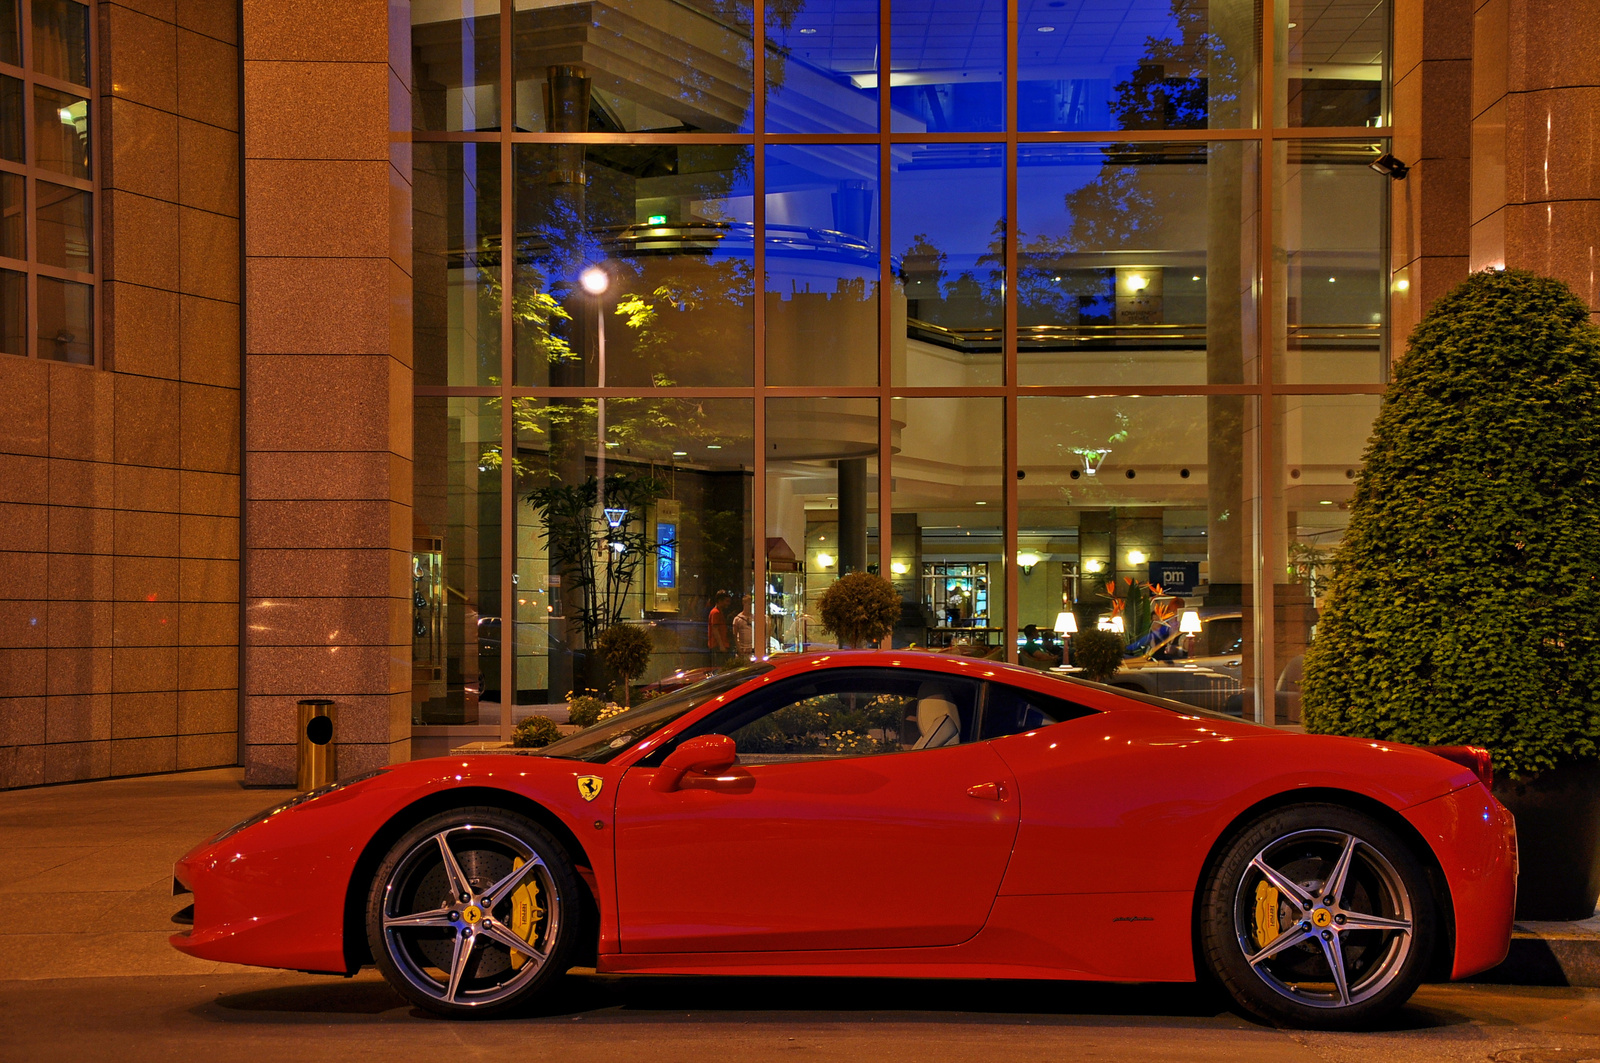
(1318, 916)
(473, 912)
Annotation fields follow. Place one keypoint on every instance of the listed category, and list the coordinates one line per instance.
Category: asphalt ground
(86, 974)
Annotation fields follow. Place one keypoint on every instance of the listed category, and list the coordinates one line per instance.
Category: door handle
(988, 791)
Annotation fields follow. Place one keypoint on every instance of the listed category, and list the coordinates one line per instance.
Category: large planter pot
(1558, 840)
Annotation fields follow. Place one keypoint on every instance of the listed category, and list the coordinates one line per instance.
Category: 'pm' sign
(1175, 577)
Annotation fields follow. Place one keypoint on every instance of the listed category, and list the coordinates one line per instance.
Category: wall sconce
(1066, 623)
(1189, 622)
(899, 568)
(1027, 559)
(825, 560)
(1094, 564)
(1137, 557)
(1137, 282)
(1389, 166)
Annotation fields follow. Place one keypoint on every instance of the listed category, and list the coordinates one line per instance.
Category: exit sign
(1175, 577)
(658, 219)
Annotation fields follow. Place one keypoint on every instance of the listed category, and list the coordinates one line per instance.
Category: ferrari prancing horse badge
(589, 786)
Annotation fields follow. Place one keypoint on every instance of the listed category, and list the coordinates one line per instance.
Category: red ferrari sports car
(885, 813)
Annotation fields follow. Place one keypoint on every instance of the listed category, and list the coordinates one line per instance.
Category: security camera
(1390, 166)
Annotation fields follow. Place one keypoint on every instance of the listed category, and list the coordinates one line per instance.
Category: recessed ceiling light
(808, 31)
(713, 446)
(981, 502)
(1047, 29)
(680, 453)
(1292, 25)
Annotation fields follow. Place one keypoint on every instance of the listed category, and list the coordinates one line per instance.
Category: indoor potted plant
(859, 609)
(1462, 608)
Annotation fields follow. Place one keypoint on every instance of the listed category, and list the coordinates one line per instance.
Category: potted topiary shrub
(626, 650)
(1098, 654)
(859, 609)
(535, 732)
(584, 709)
(1462, 608)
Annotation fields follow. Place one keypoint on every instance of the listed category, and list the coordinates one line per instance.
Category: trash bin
(314, 759)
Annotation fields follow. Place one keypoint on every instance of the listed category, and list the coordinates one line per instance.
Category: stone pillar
(327, 452)
(1432, 114)
(1536, 139)
(852, 515)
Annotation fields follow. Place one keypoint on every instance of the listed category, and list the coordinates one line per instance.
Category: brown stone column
(327, 378)
(1432, 118)
(1536, 139)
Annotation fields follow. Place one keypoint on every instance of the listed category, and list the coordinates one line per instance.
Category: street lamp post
(595, 281)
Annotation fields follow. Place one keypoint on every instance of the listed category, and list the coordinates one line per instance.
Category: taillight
(1474, 757)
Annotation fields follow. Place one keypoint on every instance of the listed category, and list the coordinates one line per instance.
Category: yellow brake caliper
(1267, 929)
(525, 914)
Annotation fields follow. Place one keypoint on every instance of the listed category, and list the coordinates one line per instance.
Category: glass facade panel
(822, 211)
(947, 65)
(947, 547)
(634, 266)
(1136, 64)
(456, 614)
(950, 263)
(11, 120)
(1333, 63)
(13, 219)
(61, 132)
(1136, 263)
(1331, 307)
(1321, 440)
(10, 32)
(822, 66)
(66, 320)
(455, 60)
(1153, 490)
(822, 509)
(651, 529)
(896, 289)
(13, 312)
(61, 40)
(65, 227)
(648, 66)
(456, 263)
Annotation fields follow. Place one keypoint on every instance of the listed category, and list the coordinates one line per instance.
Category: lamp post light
(595, 281)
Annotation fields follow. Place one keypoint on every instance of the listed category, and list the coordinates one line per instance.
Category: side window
(849, 712)
(1009, 710)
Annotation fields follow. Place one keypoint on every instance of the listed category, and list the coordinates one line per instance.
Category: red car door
(851, 852)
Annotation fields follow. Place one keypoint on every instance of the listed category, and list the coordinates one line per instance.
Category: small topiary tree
(1462, 607)
(1098, 653)
(626, 650)
(534, 732)
(859, 609)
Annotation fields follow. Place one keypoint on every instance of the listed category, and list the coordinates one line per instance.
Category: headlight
(298, 799)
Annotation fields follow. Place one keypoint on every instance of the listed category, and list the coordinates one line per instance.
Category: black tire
(448, 950)
(1271, 940)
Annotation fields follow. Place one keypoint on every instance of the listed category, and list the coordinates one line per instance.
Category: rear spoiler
(1475, 758)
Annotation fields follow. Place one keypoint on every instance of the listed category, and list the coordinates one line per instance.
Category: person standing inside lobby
(744, 641)
(719, 632)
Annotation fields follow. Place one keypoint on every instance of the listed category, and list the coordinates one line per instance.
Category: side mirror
(708, 754)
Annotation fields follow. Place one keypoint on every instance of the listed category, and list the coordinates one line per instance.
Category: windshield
(609, 737)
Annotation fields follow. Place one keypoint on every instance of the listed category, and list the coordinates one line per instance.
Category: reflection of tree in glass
(1206, 81)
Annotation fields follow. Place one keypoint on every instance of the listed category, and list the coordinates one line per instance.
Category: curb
(1550, 954)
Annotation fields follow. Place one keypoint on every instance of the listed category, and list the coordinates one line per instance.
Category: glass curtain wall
(1077, 323)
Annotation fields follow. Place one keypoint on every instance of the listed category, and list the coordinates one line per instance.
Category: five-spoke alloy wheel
(473, 912)
(1319, 916)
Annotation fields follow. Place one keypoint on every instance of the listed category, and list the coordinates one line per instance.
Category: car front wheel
(473, 912)
(1318, 916)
